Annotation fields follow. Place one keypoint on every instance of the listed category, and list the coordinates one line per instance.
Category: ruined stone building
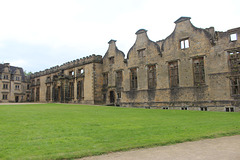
(192, 69)
(13, 84)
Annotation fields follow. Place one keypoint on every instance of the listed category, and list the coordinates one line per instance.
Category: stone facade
(192, 69)
(13, 84)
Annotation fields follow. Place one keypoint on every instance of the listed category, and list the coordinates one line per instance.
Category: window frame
(233, 37)
(184, 43)
(152, 81)
(173, 74)
(199, 77)
(133, 78)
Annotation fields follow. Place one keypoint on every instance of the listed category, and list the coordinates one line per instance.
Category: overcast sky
(39, 34)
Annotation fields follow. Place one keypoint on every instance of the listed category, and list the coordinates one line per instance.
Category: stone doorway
(16, 98)
(112, 97)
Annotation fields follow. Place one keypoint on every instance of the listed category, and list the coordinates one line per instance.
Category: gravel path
(224, 148)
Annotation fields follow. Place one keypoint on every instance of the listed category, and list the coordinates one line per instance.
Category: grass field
(58, 131)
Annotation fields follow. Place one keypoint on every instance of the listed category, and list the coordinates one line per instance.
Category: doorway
(16, 98)
(112, 97)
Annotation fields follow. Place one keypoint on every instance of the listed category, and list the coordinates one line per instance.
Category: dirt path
(225, 148)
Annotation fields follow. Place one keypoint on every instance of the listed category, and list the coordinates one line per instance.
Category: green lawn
(58, 131)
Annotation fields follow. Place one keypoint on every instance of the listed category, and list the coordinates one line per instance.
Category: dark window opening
(105, 79)
(229, 109)
(5, 86)
(119, 95)
(184, 108)
(152, 77)
(111, 60)
(203, 108)
(133, 78)
(198, 71)
(48, 93)
(165, 108)
(5, 97)
(119, 79)
(80, 90)
(173, 74)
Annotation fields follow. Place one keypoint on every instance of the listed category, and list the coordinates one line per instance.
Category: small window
(184, 44)
(111, 60)
(165, 108)
(229, 109)
(5, 97)
(5, 76)
(17, 78)
(173, 74)
(119, 95)
(105, 79)
(17, 87)
(5, 86)
(233, 37)
(203, 108)
(28, 86)
(133, 78)
(184, 108)
(71, 73)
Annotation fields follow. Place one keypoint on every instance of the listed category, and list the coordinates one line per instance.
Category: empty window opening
(233, 37)
(105, 79)
(198, 71)
(133, 78)
(80, 71)
(203, 108)
(5, 86)
(80, 90)
(17, 78)
(17, 87)
(152, 77)
(5, 97)
(119, 95)
(184, 108)
(235, 85)
(119, 78)
(141, 52)
(173, 74)
(229, 109)
(5, 76)
(111, 60)
(104, 97)
(48, 93)
(184, 44)
(165, 108)
(71, 73)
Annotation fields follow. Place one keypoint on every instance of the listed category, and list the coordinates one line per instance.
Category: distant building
(13, 85)
(192, 69)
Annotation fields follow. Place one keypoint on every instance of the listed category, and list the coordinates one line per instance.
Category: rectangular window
(111, 60)
(152, 77)
(71, 90)
(173, 74)
(17, 78)
(233, 37)
(5, 76)
(235, 85)
(203, 108)
(5, 97)
(38, 81)
(80, 71)
(17, 87)
(229, 109)
(119, 79)
(198, 71)
(234, 62)
(184, 44)
(71, 73)
(133, 78)
(105, 79)
(5, 86)
(37, 94)
(119, 95)
(184, 108)
(165, 108)
(48, 93)
(80, 90)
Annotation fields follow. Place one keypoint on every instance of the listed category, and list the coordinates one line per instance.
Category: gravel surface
(224, 148)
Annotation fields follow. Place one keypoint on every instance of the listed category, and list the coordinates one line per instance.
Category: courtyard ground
(224, 148)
